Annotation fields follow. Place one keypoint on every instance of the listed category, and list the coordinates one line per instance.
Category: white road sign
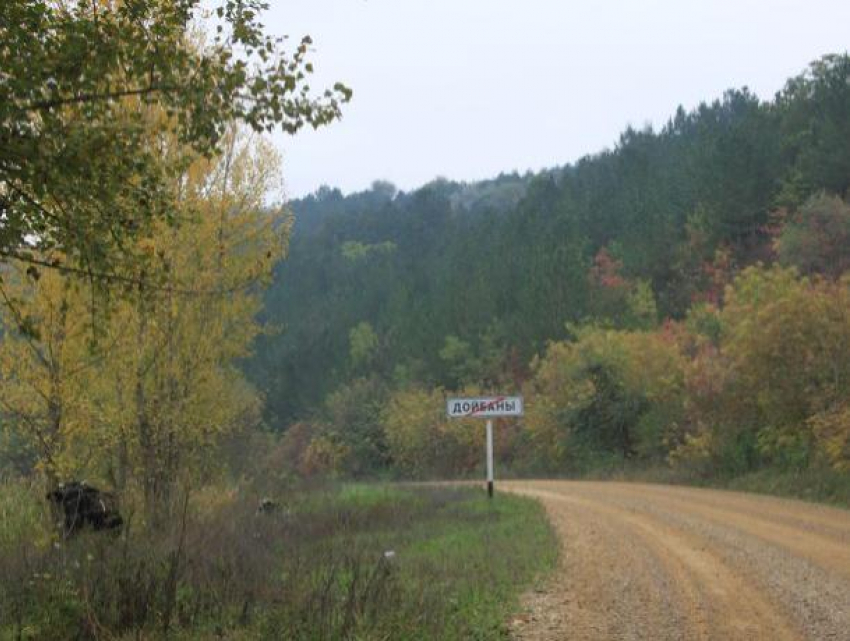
(484, 407)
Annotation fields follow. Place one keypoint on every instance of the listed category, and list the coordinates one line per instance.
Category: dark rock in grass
(82, 505)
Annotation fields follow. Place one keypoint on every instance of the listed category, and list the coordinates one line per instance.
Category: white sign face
(484, 407)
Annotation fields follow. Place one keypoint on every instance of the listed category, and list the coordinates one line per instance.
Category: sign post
(489, 408)
(490, 457)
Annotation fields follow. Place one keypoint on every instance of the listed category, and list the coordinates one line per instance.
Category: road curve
(660, 562)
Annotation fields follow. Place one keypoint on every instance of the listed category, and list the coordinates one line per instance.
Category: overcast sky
(466, 89)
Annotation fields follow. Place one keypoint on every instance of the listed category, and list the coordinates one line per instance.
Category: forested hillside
(679, 295)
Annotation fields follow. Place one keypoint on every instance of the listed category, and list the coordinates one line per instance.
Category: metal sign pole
(485, 407)
(490, 458)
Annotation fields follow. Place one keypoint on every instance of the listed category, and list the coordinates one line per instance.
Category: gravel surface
(657, 562)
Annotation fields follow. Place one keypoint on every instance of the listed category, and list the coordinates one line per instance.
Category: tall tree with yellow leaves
(146, 404)
(45, 361)
(183, 339)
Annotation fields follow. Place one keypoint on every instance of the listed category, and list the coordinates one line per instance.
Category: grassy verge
(819, 484)
(457, 561)
(344, 562)
(822, 486)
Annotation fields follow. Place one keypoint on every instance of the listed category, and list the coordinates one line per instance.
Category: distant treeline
(690, 245)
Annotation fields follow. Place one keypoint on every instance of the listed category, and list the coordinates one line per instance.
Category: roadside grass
(350, 561)
(458, 561)
(469, 562)
(817, 484)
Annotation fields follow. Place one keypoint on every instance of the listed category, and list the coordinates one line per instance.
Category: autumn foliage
(137, 392)
(762, 380)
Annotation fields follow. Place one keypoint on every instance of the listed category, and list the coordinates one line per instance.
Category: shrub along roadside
(352, 561)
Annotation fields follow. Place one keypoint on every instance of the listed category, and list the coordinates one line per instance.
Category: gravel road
(658, 562)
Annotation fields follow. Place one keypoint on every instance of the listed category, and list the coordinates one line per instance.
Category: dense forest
(677, 297)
